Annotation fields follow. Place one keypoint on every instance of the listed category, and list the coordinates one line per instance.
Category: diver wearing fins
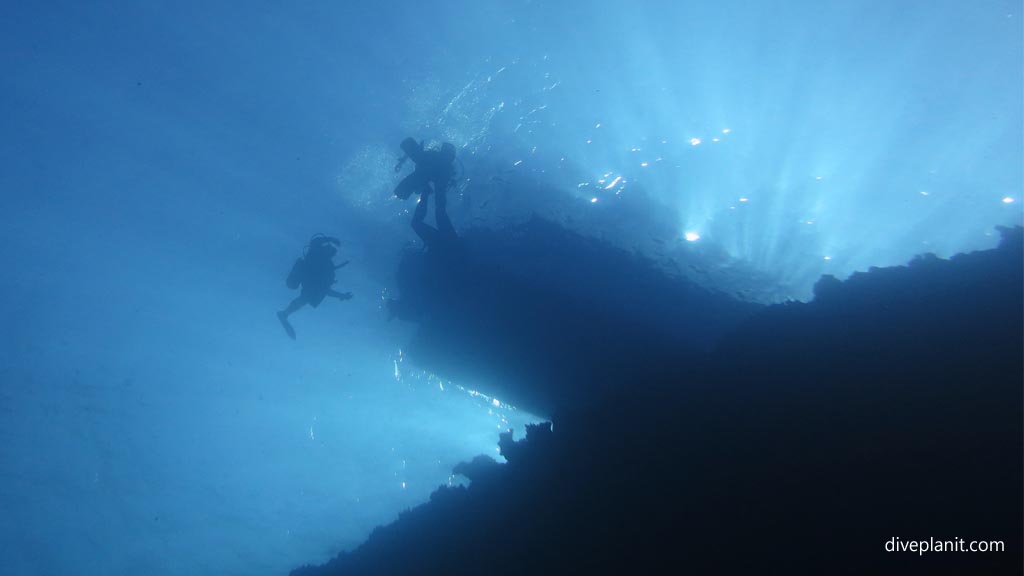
(314, 273)
(435, 170)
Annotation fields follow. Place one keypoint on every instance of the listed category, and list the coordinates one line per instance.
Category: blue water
(164, 163)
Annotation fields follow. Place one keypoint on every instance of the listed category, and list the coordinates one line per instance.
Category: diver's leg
(441, 197)
(444, 224)
(412, 183)
(283, 315)
(299, 302)
(426, 232)
(404, 188)
(420, 212)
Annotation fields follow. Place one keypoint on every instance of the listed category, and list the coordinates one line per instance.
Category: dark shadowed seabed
(799, 440)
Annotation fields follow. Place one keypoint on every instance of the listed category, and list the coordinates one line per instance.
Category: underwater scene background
(646, 193)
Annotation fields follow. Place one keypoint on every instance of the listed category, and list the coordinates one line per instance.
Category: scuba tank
(295, 276)
(298, 272)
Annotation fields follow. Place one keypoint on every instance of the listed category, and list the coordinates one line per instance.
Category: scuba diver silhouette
(314, 273)
(434, 172)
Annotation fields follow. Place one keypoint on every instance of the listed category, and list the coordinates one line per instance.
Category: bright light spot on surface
(311, 436)
(593, 200)
(518, 162)
(643, 164)
(589, 141)
(614, 182)
(923, 193)
(726, 131)
(692, 236)
(817, 177)
(1008, 200)
(716, 140)
(810, 221)
(403, 485)
(694, 141)
(634, 150)
(828, 257)
(495, 402)
(598, 125)
(744, 199)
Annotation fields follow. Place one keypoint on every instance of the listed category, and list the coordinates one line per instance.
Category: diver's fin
(287, 326)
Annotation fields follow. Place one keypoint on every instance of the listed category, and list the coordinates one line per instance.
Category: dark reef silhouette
(789, 439)
(559, 316)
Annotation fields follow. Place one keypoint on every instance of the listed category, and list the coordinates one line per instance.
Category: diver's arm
(339, 295)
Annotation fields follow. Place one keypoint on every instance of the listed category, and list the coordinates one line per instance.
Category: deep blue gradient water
(165, 162)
